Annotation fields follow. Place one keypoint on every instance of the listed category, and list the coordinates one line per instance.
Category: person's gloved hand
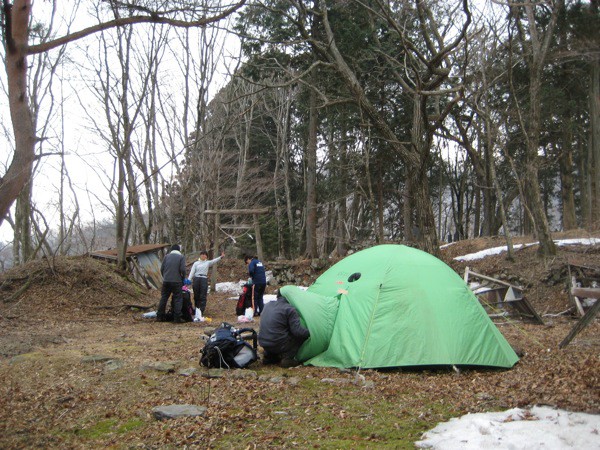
(250, 281)
(187, 281)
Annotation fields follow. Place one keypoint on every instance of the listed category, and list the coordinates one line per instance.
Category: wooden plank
(529, 306)
(579, 307)
(494, 280)
(595, 269)
(237, 211)
(237, 227)
(581, 324)
(586, 292)
(574, 300)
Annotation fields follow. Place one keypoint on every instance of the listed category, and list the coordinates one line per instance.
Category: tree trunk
(121, 241)
(16, 29)
(594, 145)
(569, 220)
(311, 179)
(380, 206)
(407, 208)
(22, 245)
(531, 183)
(340, 231)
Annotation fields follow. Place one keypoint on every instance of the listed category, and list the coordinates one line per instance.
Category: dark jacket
(173, 267)
(279, 324)
(256, 270)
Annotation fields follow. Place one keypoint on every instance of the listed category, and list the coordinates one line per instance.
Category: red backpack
(245, 300)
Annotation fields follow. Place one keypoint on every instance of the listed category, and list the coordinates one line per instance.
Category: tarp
(407, 308)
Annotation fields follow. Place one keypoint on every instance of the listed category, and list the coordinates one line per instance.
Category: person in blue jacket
(256, 270)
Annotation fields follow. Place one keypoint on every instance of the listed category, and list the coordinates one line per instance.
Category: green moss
(131, 424)
(344, 416)
(32, 356)
(97, 430)
(108, 426)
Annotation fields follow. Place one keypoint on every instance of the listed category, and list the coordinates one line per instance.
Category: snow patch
(540, 427)
(497, 250)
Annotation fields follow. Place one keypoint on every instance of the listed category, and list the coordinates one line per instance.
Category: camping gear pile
(227, 348)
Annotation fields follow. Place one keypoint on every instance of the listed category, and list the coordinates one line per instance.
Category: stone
(96, 358)
(175, 411)
(187, 371)
(214, 373)
(243, 374)
(167, 366)
(113, 364)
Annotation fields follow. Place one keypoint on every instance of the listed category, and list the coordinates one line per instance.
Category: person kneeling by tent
(281, 334)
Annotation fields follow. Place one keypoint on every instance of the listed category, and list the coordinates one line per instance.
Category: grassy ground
(96, 389)
(76, 370)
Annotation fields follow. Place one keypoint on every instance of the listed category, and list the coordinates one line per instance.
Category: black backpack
(227, 349)
(187, 309)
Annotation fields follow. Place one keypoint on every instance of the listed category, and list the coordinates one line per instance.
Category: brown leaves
(51, 399)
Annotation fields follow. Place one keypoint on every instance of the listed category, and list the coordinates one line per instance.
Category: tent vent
(355, 276)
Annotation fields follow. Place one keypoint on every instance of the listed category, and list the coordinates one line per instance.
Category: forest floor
(81, 368)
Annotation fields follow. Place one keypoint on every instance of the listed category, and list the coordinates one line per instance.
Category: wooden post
(259, 249)
(214, 271)
(581, 324)
(255, 213)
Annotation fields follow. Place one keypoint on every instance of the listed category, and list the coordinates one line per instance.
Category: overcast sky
(87, 156)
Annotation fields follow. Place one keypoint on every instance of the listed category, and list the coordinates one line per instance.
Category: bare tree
(17, 37)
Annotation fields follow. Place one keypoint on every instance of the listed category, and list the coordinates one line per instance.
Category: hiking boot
(161, 318)
(286, 363)
(268, 361)
(178, 320)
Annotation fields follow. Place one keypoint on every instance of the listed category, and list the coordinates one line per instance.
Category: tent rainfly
(395, 306)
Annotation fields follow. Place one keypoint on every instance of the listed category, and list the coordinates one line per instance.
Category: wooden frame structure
(255, 213)
(502, 294)
(587, 275)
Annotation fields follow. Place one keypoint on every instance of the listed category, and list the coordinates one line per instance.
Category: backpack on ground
(227, 349)
(244, 300)
(187, 310)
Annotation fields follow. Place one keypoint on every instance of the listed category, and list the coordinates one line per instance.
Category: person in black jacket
(173, 273)
(281, 333)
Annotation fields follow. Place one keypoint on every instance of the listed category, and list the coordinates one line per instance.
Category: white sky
(85, 151)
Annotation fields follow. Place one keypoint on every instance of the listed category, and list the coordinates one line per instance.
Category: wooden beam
(469, 272)
(581, 324)
(259, 248)
(586, 292)
(238, 211)
(237, 227)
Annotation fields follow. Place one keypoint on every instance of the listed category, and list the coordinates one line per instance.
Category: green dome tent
(392, 306)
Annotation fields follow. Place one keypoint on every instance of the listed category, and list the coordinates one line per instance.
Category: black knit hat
(175, 247)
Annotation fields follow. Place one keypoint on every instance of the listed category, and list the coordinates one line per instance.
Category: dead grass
(53, 397)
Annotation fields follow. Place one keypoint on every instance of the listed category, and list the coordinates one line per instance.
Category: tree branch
(122, 21)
